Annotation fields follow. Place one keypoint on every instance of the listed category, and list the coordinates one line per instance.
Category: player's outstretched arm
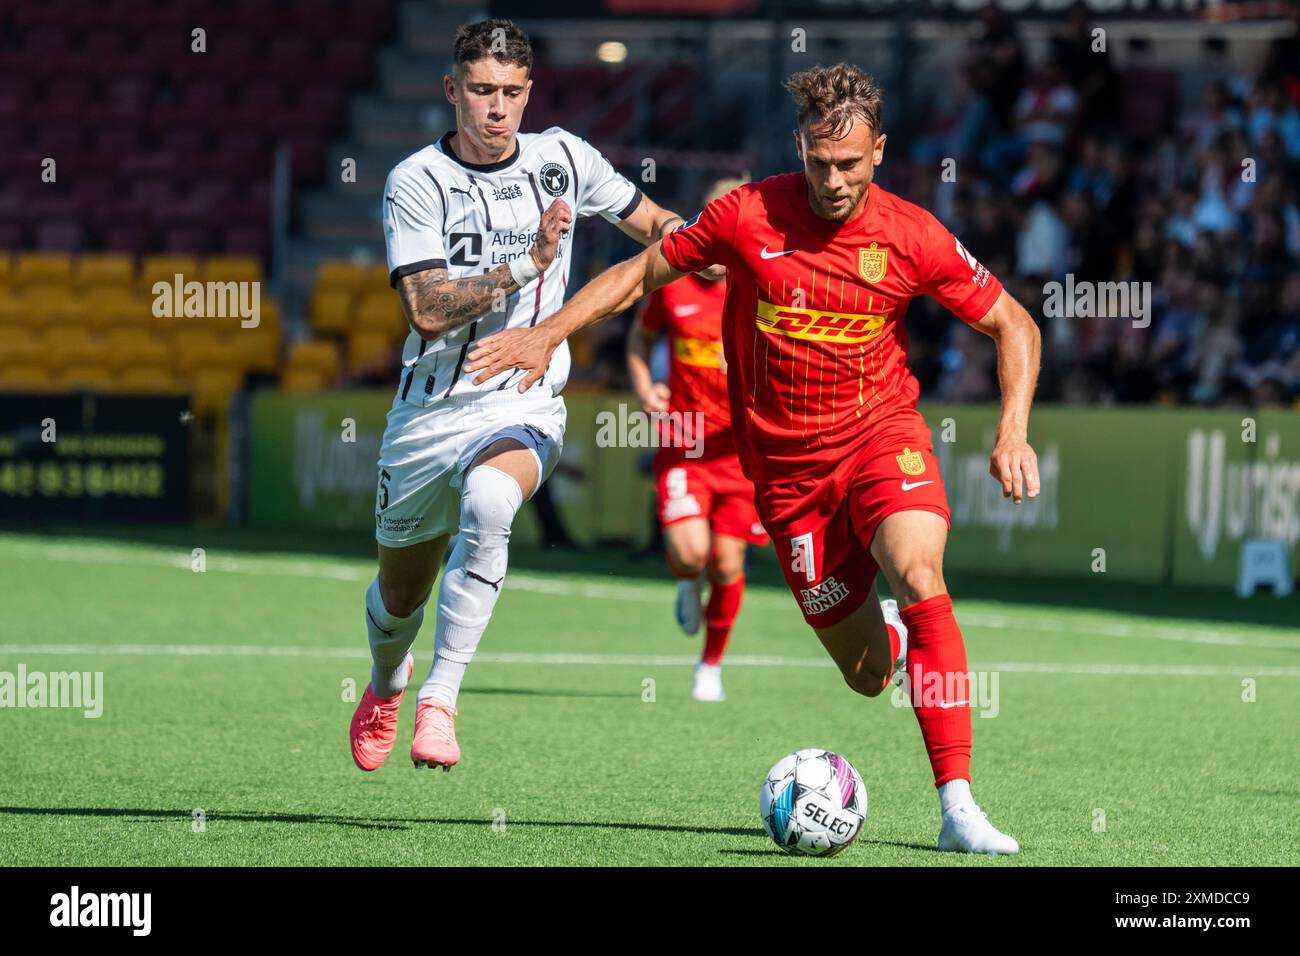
(652, 395)
(436, 305)
(1013, 462)
(608, 294)
(649, 222)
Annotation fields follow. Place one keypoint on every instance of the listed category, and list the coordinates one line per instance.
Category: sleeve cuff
(631, 205)
(411, 268)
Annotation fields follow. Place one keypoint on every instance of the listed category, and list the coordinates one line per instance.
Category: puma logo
(495, 585)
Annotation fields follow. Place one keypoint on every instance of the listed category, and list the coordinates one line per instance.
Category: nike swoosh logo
(909, 485)
(955, 703)
(776, 255)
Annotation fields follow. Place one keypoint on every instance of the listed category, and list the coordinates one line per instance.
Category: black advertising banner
(94, 458)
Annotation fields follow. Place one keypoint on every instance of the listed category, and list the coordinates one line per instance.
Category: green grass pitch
(1125, 731)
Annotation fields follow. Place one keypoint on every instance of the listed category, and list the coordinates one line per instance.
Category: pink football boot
(374, 725)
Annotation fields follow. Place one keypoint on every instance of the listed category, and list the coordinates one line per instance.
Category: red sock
(719, 614)
(936, 668)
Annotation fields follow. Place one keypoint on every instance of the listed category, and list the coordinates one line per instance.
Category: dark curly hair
(498, 39)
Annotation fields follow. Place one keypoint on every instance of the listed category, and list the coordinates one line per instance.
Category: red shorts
(713, 488)
(824, 532)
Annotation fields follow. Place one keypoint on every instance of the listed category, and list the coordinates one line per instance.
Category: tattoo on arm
(436, 305)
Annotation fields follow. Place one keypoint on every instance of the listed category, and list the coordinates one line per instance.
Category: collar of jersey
(444, 144)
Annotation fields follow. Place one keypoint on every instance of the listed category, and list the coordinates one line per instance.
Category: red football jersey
(813, 322)
(689, 312)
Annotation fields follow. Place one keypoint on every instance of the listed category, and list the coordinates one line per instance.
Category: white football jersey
(442, 212)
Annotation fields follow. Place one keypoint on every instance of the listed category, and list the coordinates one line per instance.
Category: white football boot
(708, 683)
(890, 611)
(689, 607)
(966, 829)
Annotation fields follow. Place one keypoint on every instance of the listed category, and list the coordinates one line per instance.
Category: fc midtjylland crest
(872, 263)
(911, 462)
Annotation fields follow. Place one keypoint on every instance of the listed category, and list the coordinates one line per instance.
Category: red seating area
(159, 147)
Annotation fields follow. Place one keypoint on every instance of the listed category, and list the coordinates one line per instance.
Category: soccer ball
(813, 802)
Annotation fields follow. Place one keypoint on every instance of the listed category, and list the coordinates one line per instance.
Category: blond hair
(724, 186)
(830, 96)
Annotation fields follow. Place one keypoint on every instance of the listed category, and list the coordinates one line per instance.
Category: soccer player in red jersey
(706, 504)
(821, 265)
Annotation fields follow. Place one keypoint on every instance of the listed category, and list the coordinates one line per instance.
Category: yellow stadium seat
(88, 378)
(374, 278)
(66, 351)
(190, 358)
(331, 311)
(112, 309)
(14, 314)
(6, 271)
(26, 378)
(339, 275)
(128, 349)
(215, 381)
(319, 357)
(303, 380)
(381, 312)
(35, 304)
(69, 315)
(42, 268)
(231, 269)
(164, 268)
(100, 270)
(149, 379)
(270, 316)
(21, 351)
(366, 350)
(259, 350)
(188, 345)
(11, 311)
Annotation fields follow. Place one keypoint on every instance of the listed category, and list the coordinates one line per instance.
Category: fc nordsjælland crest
(910, 462)
(872, 263)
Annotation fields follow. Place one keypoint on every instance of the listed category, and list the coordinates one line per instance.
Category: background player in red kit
(706, 504)
(820, 268)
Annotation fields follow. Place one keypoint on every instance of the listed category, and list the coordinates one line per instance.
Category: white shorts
(426, 452)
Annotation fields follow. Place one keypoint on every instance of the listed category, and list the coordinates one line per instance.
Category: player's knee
(490, 502)
(921, 581)
(487, 511)
(865, 682)
(402, 598)
(688, 561)
(725, 570)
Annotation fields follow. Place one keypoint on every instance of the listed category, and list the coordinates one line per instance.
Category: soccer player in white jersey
(478, 229)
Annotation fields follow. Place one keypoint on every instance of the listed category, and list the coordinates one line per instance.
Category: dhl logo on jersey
(818, 324)
(701, 352)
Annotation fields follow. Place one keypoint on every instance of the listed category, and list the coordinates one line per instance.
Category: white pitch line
(648, 592)
(627, 660)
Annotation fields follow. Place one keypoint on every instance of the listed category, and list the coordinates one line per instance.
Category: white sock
(473, 578)
(953, 793)
(391, 638)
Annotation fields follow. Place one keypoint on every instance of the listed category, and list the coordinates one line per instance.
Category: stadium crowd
(1060, 174)
(1070, 167)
